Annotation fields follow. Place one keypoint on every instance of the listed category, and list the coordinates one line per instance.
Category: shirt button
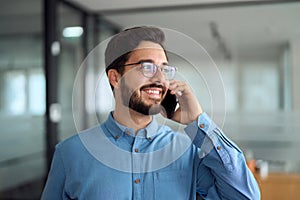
(150, 138)
(137, 181)
(136, 150)
(116, 137)
(128, 132)
(202, 125)
(219, 147)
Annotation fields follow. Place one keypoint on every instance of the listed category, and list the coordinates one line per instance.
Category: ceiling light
(74, 31)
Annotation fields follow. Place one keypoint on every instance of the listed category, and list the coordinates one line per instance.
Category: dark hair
(121, 45)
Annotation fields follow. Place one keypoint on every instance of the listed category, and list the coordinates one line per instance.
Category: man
(130, 156)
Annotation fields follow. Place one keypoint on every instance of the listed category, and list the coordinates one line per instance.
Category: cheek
(134, 81)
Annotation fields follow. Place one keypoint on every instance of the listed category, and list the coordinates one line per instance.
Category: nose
(159, 76)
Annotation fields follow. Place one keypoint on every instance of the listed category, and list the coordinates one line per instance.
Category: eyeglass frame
(156, 68)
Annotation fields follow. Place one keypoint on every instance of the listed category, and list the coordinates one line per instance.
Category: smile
(152, 91)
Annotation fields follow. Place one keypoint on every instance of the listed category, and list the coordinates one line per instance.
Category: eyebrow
(152, 61)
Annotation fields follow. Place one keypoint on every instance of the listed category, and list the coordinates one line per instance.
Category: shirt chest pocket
(171, 185)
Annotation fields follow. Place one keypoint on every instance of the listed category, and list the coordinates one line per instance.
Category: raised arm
(222, 170)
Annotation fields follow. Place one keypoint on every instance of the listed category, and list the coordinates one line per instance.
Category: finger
(179, 93)
(178, 90)
(173, 85)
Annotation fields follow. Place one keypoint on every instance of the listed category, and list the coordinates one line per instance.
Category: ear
(113, 76)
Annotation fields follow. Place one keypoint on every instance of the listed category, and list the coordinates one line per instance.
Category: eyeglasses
(149, 69)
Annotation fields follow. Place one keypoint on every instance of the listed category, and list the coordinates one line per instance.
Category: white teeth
(153, 91)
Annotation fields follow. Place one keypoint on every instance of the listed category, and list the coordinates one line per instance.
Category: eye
(166, 69)
(148, 67)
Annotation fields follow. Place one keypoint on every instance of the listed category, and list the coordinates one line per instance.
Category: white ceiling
(101, 5)
(257, 28)
(261, 28)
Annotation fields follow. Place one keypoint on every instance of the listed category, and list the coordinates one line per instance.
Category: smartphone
(169, 104)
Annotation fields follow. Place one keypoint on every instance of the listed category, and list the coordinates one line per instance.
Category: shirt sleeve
(222, 172)
(54, 188)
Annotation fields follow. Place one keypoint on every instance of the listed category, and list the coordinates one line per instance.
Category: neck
(130, 118)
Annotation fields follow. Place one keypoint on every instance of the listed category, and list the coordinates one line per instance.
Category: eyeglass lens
(150, 69)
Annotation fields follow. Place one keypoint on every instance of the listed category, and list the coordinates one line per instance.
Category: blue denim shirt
(110, 161)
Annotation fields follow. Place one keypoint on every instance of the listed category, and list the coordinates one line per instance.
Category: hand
(189, 107)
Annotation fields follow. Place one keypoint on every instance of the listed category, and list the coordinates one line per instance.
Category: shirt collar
(117, 130)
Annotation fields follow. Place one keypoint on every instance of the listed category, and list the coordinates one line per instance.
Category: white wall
(295, 72)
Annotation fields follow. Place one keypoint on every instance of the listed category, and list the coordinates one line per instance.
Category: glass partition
(22, 100)
(70, 59)
(23, 90)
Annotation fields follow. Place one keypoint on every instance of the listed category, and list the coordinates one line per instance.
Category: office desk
(281, 186)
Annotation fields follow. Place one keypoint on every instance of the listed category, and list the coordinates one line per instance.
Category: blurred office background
(254, 44)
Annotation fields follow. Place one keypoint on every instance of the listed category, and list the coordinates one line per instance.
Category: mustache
(154, 85)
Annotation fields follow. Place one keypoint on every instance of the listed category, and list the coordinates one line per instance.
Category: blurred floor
(29, 191)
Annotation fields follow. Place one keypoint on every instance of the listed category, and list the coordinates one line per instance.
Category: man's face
(140, 93)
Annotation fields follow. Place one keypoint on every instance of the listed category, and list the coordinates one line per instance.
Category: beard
(132, 99)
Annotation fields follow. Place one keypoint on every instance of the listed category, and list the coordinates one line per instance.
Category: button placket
(137, 186)
(136, 176)
(127, 132)
(137, 181)
(136, 161)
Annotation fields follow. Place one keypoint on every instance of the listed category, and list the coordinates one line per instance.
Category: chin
(144, 109)
(154, 109)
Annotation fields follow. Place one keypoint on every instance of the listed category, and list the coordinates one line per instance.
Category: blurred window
(36, 87)
(260, 88)
(14, 92)
(23, 92)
